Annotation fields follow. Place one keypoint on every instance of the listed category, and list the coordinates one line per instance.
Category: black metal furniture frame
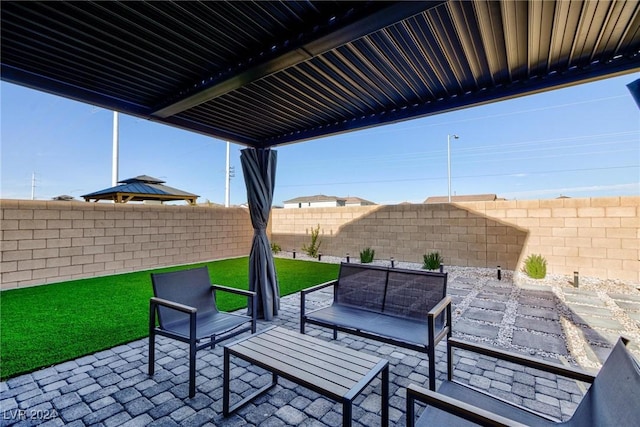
(612, 398)
(387, 305)
(187, 329)
(333, 371)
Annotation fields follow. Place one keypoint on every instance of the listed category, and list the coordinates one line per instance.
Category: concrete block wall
(47, 242)
(52, 241)
(598, 237)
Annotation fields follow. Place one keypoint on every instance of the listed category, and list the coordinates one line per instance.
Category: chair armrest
(531, 362)
(454, 407)
(439, 307)
(155, 301)
(250, 294)
(318, 287)
(233, 290)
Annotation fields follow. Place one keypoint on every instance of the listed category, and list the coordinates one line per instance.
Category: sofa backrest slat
(397, 292)
(412, 293)
(361, 286)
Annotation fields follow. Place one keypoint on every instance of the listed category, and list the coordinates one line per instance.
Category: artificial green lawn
(44, 325)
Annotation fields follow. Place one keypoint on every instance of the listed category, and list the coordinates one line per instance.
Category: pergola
(267, 73)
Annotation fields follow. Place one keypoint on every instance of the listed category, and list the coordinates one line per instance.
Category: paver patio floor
(112, 388)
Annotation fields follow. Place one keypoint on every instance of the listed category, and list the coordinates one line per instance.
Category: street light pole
(449, 161)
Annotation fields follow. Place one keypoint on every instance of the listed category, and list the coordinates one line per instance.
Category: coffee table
(336, 372)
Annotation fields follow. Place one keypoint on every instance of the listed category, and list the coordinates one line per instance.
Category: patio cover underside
(263, 74)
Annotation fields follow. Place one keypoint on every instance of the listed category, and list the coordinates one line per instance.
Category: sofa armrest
(509, 356)
(303, 294)
(318, 287)
(453, 406)
(434, 338)
(440, 307)
(443, 306)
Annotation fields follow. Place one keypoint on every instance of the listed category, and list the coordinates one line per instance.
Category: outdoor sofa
(407, 308)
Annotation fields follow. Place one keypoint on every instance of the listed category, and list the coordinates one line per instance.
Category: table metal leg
(384, 422)
(225, 384)
(226, 388)
(347, 412)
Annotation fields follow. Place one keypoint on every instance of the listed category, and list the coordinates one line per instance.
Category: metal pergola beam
(301, 50)
(529, 87)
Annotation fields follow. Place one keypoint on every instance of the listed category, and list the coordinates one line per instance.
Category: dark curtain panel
(259, 169)
(634, 88)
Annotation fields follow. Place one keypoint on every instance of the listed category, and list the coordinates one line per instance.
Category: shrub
(275, 248)
(432, 261)
(314, 246)
(535, 266)
(366, 255)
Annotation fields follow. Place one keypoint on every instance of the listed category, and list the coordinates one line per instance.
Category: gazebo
(140, 189)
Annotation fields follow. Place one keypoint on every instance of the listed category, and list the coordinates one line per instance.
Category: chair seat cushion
(436, 417)
(208, 324)
(397, 328)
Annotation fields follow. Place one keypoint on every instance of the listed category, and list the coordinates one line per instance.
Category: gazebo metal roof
(141, 188)
(264, 73)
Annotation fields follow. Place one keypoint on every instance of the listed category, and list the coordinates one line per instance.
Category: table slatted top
(318, 364)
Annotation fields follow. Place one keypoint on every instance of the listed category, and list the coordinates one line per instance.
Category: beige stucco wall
(47, 242)
(597, 237)
(53, 241)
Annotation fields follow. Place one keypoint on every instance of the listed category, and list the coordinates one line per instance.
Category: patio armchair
(184, 308)
(613, 398)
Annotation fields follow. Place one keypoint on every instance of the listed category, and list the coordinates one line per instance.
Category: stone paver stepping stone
(488, 304)
(476, 329)
(548, 343)
(537, 302)
(584, 299)
(602, 337)
(598, 322)
(588, 310)
(545, 313)
(548, 326)
(626, 297)
(628, 306)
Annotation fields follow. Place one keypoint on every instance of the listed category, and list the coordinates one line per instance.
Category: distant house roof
(467, 198)
(316, 198)
(63, 198)
(141, 188)
(357, 200)
(322, 198)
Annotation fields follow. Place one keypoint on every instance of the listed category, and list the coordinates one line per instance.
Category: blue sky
(582, 141)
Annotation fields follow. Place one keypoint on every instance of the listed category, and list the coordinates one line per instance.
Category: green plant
(432, 261)
(314, 246)
(535, 266)
(275, 248)
(366, 255)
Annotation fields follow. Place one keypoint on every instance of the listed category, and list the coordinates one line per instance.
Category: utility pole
(449, 161)
(227, 180)
(33, 186)
(114, 164)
